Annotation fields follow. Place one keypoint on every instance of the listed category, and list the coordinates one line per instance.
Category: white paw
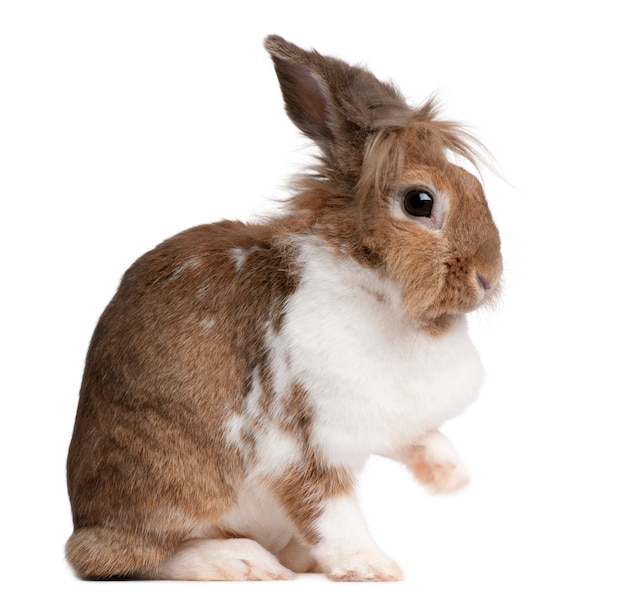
(438, 466)
(363, 567)
(232, 559)
(448, 478)
(298, 558)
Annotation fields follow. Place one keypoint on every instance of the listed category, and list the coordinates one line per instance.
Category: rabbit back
(169, 364)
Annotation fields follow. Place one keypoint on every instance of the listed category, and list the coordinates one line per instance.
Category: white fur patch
(259, 515)
(377, 384)
(269, 450)
(448, 473)
(240, 255)
(190, 264)
(346, 550)
(207, 324)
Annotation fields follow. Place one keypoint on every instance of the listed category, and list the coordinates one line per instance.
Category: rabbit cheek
(412, 263)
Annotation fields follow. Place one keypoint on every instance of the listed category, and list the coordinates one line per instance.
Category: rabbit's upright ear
(329, 100)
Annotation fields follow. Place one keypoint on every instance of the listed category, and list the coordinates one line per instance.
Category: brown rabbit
(243, 373)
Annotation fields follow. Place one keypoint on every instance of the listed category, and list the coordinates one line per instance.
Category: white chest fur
(377, 384)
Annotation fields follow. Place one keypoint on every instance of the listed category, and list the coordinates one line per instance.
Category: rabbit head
(385, 191)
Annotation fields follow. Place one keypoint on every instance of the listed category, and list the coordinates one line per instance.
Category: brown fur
(174, 354)
(302, 491)
(155, 395)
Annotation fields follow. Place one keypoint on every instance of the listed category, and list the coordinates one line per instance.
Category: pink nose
(485, 283)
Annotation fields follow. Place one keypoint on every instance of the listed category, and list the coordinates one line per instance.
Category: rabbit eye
(418, 202)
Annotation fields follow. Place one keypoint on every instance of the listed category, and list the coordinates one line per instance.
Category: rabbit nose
(485, 283)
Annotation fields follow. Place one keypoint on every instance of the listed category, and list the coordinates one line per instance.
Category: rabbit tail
(101, 552)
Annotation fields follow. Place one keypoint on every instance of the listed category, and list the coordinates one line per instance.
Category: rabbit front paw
(437, 465)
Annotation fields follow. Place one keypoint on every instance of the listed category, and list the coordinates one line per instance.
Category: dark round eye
(418, 202)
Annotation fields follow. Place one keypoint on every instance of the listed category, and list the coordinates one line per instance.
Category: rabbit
(243, 373)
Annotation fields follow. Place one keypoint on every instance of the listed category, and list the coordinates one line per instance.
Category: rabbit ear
(327, 98)
(307, 98)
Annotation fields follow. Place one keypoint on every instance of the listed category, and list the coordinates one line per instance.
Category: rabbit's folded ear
(327, 98)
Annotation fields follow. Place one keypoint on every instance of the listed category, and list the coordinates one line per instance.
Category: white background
(122, 123)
